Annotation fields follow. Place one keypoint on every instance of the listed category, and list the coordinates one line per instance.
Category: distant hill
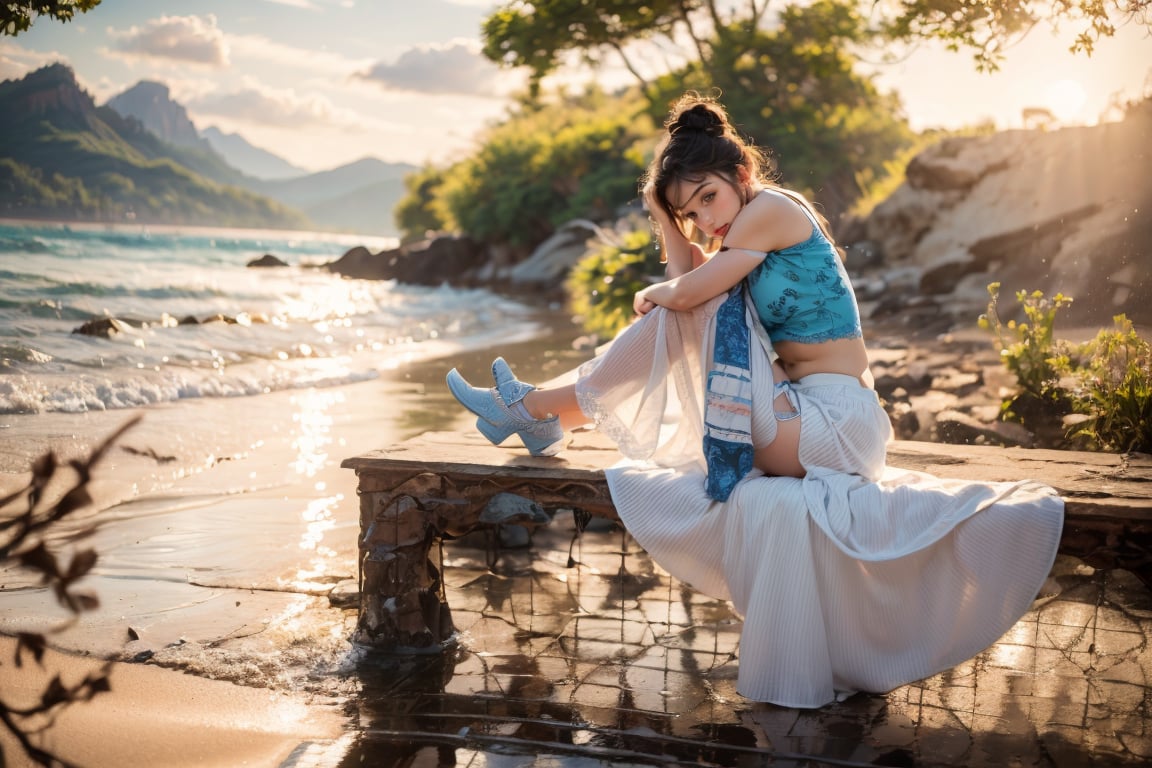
(358, 197)
(366, 209)
(150, 103)
(253, 161)
(63, 157)
(324, 186)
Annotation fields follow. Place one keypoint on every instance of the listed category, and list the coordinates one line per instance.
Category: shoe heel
(544, 445)
(495, 434)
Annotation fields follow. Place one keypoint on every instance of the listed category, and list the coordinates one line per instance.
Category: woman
(770, 488)
(706, 181)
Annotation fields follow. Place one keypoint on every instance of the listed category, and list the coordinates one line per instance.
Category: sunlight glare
(1065, 99)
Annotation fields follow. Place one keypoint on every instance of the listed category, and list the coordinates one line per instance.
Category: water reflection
(314, 422)
(611, 662)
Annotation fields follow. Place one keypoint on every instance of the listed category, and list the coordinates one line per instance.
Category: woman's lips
(722, 231)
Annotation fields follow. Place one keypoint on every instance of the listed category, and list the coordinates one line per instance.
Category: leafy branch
(24, 542)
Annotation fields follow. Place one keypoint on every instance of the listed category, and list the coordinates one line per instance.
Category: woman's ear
(742, 175)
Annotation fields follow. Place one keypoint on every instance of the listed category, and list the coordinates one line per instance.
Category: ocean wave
(24, 394)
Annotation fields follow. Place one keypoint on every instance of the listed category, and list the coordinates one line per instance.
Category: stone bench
(441, 484)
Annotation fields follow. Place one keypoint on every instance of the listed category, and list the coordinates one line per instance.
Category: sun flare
(1065, 99)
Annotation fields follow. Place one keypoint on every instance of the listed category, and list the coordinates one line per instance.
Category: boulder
(1055, 210)
(104, 327)
(550, 262)
(268, 260)
(444, 259)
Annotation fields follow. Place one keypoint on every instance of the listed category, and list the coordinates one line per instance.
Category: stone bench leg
(403, 608)
(403, 605)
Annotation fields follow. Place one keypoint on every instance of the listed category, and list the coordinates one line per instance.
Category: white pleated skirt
(845, 581)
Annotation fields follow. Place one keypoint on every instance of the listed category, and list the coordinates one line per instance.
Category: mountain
(366, 209)
(65, 158)
(324, 186)
(150, 103)
(358, 197)
(250, 160)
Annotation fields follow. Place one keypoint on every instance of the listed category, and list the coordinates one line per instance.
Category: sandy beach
(220, 535)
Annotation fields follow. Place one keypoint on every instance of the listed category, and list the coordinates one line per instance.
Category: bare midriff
(846, 356)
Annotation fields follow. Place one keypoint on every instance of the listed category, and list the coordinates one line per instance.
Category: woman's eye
(708, 197)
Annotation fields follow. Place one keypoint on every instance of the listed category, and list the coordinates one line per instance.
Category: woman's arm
(767, 223)
(712, 278)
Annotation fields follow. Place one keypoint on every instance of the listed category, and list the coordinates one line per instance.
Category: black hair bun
(701, 118)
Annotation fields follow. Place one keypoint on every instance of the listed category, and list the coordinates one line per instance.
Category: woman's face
(710, 204)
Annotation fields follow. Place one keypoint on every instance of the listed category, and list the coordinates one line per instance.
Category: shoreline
(218, 551)
(353, 238)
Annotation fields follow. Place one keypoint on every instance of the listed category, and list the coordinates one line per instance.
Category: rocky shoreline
(945, 387)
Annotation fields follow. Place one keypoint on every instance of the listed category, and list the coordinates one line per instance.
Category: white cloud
(194, 39)
(315, 62)
(257, 104)
(17, 61)
(307, 5)
(454, 67)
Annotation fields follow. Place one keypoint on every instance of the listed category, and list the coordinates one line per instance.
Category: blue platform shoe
(542, 437)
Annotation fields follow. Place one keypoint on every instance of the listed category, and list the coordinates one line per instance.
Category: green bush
(1113, 389)
(601, 286)
(418, 213)
(1099, 392)
(541, 167)
(1028, 349)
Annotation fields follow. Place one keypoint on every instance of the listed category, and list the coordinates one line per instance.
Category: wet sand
(221, 526)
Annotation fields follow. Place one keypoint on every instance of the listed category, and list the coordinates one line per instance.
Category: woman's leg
(557, 401)
(778, 452)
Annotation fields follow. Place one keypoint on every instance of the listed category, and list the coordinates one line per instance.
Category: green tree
(794, 89)
(579, 158)
(538, 34)
(789, 82)
(17, 17)
(419, 211)
(988, 27)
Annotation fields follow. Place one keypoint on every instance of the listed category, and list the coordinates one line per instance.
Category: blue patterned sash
(728, 401)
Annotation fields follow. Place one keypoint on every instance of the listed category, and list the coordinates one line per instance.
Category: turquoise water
(196, 322)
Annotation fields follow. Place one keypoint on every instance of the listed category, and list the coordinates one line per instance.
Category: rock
(552, 259)
(357, 262)
(446, 259)
(268, 260)
(864, 254)
(345, 594)
(961, 429)
(942, 277)
(104, 327)
(947, 165)
(1054, 211)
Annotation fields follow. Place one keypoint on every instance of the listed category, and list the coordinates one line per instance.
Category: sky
(322, 83)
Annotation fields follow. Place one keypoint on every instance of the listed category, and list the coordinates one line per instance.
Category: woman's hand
(641, 304)
(679, 254)
(652, 203)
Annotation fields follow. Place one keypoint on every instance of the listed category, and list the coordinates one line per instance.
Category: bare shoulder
(769, 222)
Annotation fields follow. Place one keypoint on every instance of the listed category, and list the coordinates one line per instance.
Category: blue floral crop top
(802, 293)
